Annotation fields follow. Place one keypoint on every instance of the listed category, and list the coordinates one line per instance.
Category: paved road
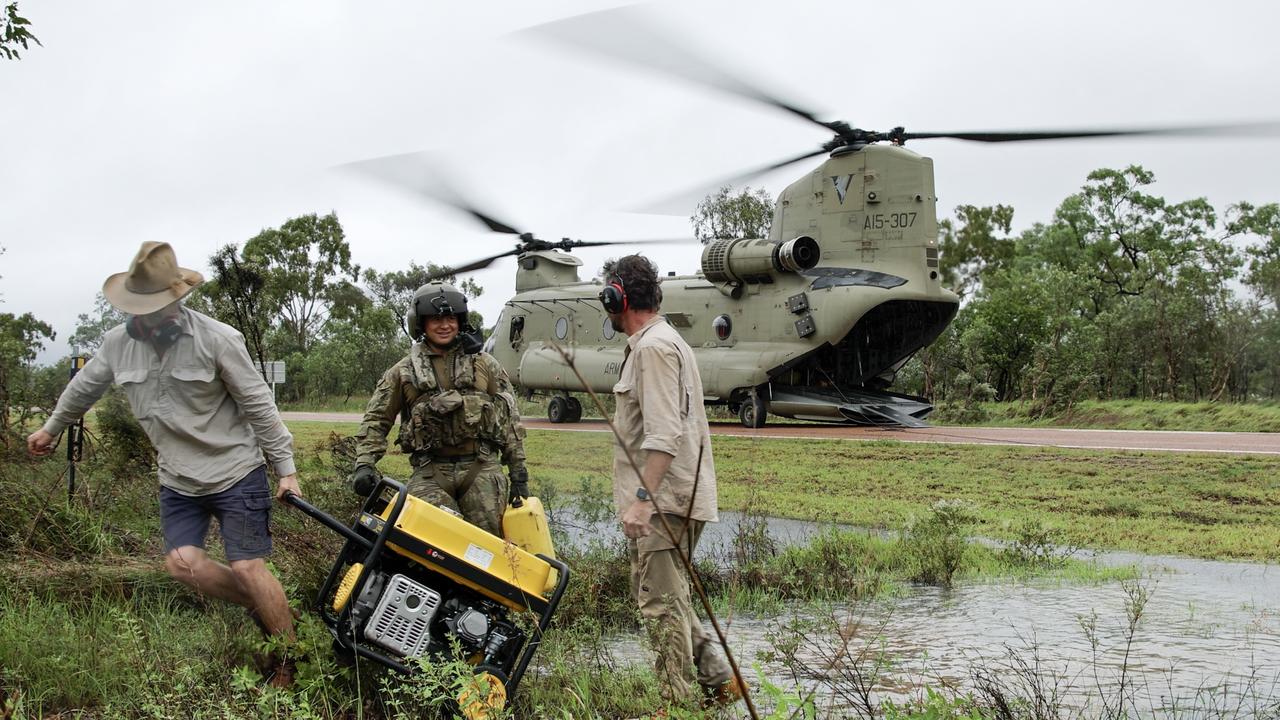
(1172, 441)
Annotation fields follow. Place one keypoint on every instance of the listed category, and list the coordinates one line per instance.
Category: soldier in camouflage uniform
(457, 414)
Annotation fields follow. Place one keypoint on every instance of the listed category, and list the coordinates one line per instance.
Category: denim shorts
(243, 511)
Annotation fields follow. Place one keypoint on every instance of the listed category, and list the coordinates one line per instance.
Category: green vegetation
(1120, 415)
(1211, 506)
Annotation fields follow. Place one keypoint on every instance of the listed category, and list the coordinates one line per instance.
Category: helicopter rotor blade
(681, 202)
(1242, 130)
(451, 270)
(414, 172)
(646, 241)
(630, 35)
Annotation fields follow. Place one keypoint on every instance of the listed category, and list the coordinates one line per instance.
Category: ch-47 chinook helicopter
(812, 322)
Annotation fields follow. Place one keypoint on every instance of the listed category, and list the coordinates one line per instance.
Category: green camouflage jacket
(474, 405)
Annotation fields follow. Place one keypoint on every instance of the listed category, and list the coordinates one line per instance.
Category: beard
(616, 322)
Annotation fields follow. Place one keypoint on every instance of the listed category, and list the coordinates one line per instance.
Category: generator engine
(411, 619)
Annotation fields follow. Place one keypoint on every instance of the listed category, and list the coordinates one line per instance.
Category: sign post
(273, 372)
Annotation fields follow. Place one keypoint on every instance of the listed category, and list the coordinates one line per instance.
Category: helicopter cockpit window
(723, 326)
(562, 328)
(517, 329)
(607, 329)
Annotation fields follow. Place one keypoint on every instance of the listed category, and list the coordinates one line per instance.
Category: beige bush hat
(153, 281)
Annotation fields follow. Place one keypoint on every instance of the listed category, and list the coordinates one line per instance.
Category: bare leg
(191, 566)
(265, 595)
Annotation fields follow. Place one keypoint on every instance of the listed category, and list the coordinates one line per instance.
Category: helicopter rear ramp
(851, 406)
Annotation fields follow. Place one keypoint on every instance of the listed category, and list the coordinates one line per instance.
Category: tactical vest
(436, 419)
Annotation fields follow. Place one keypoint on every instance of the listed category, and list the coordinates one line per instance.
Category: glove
(519, 484)
(363, 480)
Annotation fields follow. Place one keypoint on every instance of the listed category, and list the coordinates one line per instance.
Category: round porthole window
(607, 330)
(562, 328)
(723, 326)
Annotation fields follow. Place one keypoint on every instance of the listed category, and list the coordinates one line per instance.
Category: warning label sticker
(478, 556)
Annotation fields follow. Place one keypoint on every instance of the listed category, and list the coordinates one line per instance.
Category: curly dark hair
(639, 277)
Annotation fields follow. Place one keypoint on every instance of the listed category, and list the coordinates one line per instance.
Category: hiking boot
(726, 693)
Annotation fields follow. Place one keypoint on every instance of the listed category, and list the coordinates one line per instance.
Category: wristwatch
(642, 494)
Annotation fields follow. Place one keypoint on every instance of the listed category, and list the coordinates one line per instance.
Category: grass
(1134, 415)
(1202, 505)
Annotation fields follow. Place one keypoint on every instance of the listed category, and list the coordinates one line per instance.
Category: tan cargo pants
(685, 651)
(481, 502)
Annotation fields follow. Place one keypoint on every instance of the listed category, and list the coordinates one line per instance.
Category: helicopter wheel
(575, 410)
(558, 410)
(753, 412)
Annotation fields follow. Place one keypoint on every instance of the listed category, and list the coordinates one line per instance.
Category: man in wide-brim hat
(210, 415)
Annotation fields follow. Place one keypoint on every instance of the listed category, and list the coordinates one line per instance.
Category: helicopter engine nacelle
(757, 261)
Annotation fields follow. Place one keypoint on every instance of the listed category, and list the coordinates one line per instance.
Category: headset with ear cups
(614, 296)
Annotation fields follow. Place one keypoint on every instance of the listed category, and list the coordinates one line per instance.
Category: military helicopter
(812, 322)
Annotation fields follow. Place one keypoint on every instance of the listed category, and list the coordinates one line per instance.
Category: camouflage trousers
(481, 502)
(685, 651)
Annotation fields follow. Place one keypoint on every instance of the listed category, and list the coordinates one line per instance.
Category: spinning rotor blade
(480, 264)
(530, 244)
(630, 35)
(1243, 130)
(413, 172)
(680, 202)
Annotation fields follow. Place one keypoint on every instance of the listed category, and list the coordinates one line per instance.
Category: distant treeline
(1122, 295)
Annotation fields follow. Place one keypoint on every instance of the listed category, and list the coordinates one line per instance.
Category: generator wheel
(485, 696)
(348, 584)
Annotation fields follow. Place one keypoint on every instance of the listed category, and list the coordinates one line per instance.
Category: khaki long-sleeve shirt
(659, 409)
(204, 404)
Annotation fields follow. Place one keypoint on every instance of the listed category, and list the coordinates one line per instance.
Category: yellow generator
(413, 579)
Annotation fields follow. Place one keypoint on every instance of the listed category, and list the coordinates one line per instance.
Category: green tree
(977, 242)
(14, 32)
(303, 264)
(21, 339)
(234, 295)
(91, 327)
(1120, 237)
(723, 214)
(1262, 224)
(354, 353)
(394, 289)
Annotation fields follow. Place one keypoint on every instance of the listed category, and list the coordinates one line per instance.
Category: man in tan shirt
(211, 417)
(662, 424)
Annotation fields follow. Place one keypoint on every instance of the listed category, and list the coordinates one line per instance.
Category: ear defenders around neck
(162, 336)
(614, 296)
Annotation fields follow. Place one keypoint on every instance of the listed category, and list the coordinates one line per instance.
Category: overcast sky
(201, 124)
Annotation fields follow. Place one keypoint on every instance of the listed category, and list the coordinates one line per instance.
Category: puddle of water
(1207, 627)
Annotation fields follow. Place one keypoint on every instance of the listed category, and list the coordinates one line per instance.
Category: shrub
(936, 544)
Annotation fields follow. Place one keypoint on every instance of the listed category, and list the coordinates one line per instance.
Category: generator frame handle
(354, 540)
(530, 647)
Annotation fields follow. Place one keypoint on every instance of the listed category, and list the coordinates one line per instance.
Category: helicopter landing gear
(575, 409)
(564, 409)
(753, 411)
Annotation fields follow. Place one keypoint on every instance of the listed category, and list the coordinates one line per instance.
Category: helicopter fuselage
(841, 294)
